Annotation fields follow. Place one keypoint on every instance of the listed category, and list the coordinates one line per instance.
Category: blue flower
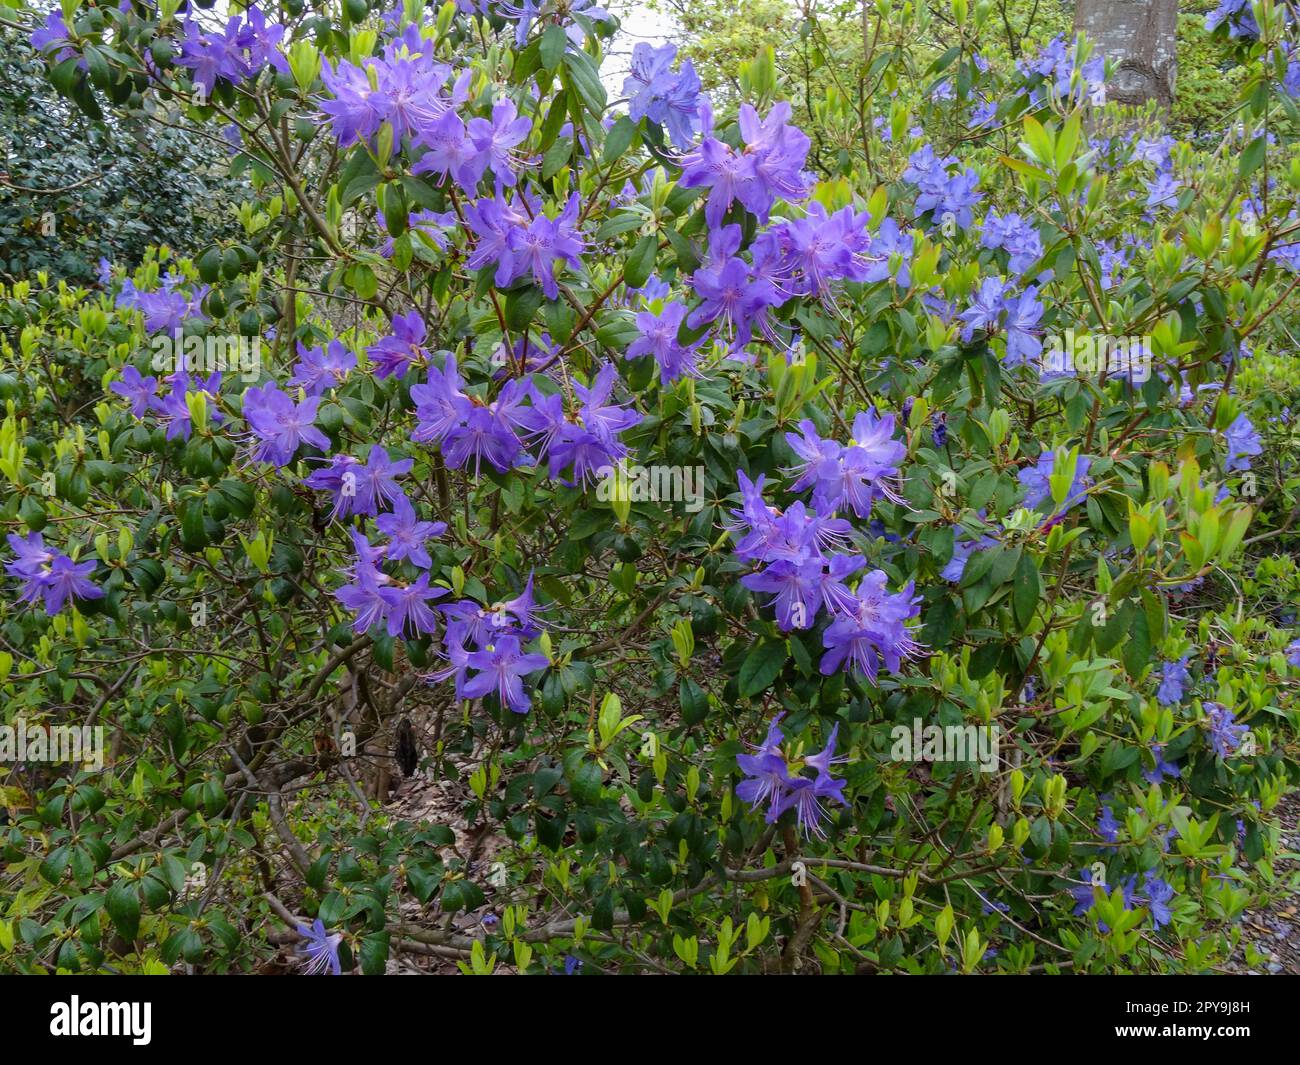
(1225, 732)
(320, 952)
(1173, 681)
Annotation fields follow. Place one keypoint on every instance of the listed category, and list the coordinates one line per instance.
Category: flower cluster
(852, 475)
(167, 309)
(280, 424)
(769, 169)
(484, 649)
(1155, 894)
(774, 780)
(667, 98)
(246, 46)
(1225, 734)
(805, 572)
(994, 308)
(48, 575)
(175, 408)
(469, 430)
(1016, 236)
(521, 242)
(942, 194)
(1055, 65)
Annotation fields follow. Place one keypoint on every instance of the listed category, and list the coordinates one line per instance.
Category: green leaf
(1252, 157)
(636, 271)
(761, 667)
(1025, 591)
(123, 906)
(551, 50)
(585, 80)
(374, 953)
(619, 138)
(521, 305)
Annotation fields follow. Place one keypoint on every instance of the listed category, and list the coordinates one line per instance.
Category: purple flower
(408, 614)
(1243, 441)
(165, 311)
(1173, 681)
(54, 33)
(139, 391)
(320, 952)
(56, 581)
(591, 445)
(1157, 895)
(494, 223)
(1023, 314)
(765, 772)
(668, 99)
(456, 654)
(887, 247)
(1085, 896)
(517, 612)
(394, 355)
(281, 425)
(494, 139)
(854, 475)
(405, 93)
(363, 595)
(440, 405)
(659, 339)
(1237, 15)
(318, 370)
(407, 534)
(545, 242)
(804, 256)
(1107, 826)
(450, 150)
(731, 294)
(33, 558)
(237, 53)
(873, 631)
(777, 151)
(361, 489)
(797, 587)
(769, 781)
(1293, 653)
(1225, 732)
(939, 193)
(1038, 489)
(987, 306)
(174, 411)
(805, 795)
(487, 431)
(1162, 768)
(771, 166)
(1014, 235)
(502, 664)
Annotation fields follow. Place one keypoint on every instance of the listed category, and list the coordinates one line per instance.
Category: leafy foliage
(468, 296)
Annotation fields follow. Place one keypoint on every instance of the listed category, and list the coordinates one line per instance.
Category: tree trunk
(1141, 37)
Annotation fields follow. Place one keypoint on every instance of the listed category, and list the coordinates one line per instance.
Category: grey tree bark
(1142, 37)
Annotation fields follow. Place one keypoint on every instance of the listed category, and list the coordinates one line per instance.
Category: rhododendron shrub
(702, 517)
